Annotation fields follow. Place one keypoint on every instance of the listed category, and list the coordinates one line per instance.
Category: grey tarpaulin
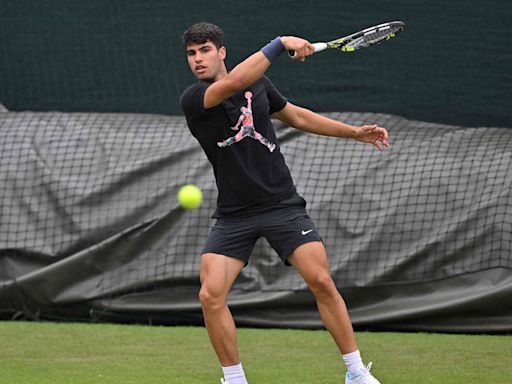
(419, 236)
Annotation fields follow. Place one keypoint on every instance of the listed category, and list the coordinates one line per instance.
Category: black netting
(101, 189)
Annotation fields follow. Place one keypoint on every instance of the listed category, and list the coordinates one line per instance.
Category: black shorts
(285, 228)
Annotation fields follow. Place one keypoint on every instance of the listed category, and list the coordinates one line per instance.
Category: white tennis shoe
(363, 377)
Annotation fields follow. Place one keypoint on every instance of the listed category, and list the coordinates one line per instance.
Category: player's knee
(323, 286)
(205, 297)
(209, 299)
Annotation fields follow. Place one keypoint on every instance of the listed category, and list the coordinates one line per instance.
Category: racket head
(367, 37)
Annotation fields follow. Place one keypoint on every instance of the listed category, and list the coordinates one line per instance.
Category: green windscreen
(451, 64)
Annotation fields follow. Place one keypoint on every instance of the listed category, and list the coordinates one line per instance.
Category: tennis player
(229, 113)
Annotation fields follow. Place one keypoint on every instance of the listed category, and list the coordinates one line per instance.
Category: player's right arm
(250, 70)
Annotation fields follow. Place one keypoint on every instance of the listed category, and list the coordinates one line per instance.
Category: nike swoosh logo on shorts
(306, 232)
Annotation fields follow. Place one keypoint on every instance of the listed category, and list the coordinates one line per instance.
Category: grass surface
(106, 353)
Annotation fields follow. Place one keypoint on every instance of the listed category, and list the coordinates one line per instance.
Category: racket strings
(367, 37)
(371, 37)
(374, 37)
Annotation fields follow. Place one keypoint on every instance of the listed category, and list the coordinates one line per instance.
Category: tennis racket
(362, 39)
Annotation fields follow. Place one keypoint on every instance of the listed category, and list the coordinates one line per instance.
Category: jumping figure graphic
(245, 125)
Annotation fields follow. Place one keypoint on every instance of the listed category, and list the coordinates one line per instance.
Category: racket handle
(318, 47)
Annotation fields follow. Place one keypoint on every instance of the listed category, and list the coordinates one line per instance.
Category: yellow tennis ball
(190, 196)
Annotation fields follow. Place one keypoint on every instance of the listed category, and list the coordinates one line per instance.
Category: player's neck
(222, 73)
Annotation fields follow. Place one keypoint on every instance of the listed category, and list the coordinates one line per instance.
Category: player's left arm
(309, 121)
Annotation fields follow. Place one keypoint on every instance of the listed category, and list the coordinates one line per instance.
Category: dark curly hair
(200, 33)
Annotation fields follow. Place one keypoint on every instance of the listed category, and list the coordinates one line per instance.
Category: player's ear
(222, 52)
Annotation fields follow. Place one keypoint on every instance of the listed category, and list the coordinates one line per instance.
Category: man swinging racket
(257, 197)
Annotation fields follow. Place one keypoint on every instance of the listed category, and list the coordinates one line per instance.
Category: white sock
(353, 362)
(234, 374)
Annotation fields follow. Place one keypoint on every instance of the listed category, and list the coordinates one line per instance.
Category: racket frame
(343, 43)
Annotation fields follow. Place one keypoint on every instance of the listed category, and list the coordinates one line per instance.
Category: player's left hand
(373, 134)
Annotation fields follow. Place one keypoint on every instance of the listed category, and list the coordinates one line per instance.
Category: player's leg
(292, 233)
(235, 238)
(217, 275)
(310, 260)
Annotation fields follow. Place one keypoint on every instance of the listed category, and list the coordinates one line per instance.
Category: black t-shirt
(240, 142)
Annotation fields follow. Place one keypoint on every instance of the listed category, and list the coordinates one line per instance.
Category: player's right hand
(302, 47)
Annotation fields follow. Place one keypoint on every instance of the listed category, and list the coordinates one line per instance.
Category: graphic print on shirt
(245, 126)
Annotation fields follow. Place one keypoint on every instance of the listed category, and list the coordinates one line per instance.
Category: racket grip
(318, 47)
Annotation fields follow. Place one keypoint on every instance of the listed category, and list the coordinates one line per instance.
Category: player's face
(205, 60)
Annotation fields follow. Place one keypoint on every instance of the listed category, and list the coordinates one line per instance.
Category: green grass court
(105, 353)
